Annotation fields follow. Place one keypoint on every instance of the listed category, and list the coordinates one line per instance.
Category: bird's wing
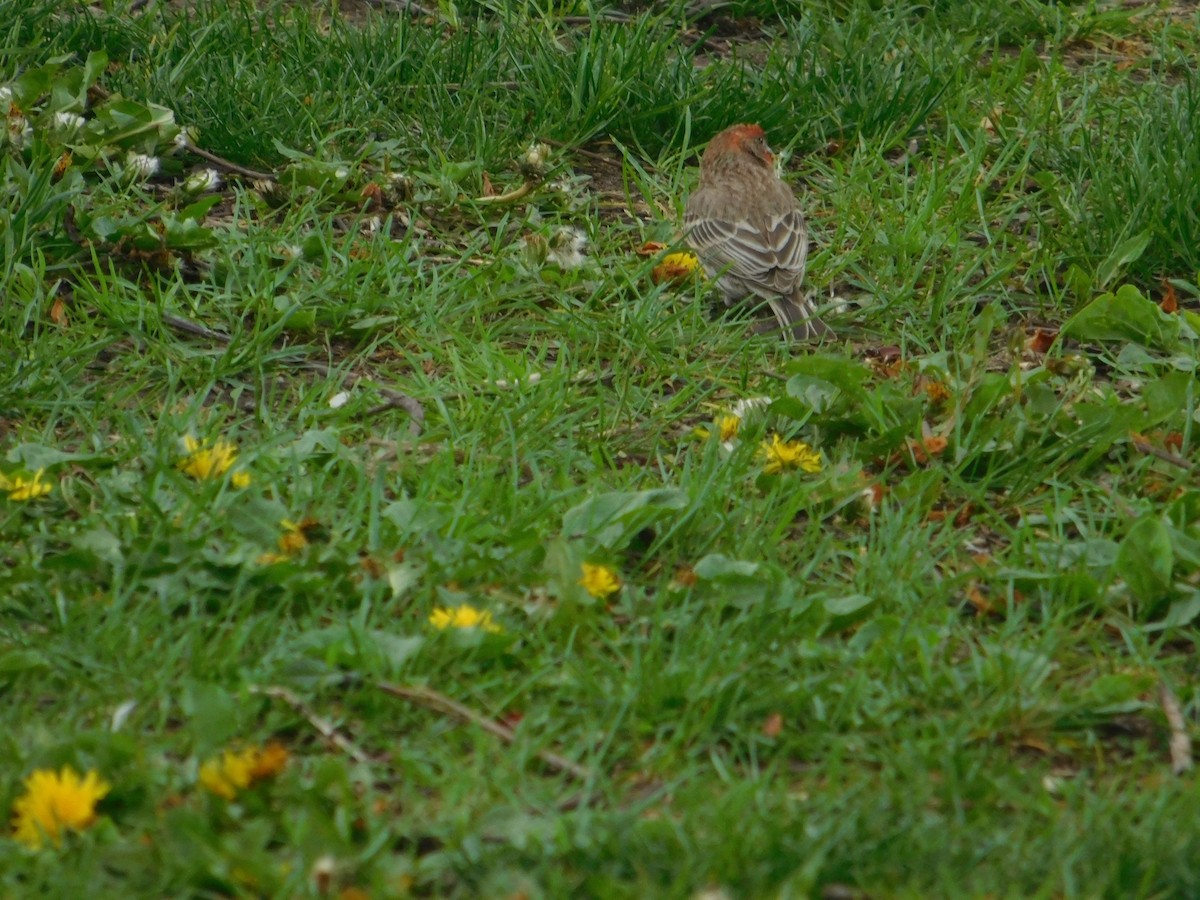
(769, 256)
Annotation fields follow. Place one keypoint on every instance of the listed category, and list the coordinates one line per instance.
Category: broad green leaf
(212, 713)
(1124, 316)
(371, 651)
(93, 67)
(39, 456)
(199, 209)
(1182, 612)
(735, 582)
(1126, 252)
(717, 566)
(840, 372)
(17, 661)
(103, 543)
(1168, 396)
(611, 520)
(849, 609)
(1115, 693)
(1145, 560)
(848, 605)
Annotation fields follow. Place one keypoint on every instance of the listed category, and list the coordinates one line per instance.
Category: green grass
(949, 690)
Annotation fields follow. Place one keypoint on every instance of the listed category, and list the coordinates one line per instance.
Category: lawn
(379, 517)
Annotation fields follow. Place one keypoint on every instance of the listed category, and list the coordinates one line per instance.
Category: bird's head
(741, 141)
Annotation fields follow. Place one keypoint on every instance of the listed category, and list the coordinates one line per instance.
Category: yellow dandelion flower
(55, 802)
(271, 760)
(236, 770)
(782, 456)
(463, 617)
(727, 427)
(231, 772)
(293, 539)
(22, 489)
(203, 463)
(675, 268)
(599, 581)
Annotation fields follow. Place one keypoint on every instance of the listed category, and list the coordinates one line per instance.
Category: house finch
(746, 226)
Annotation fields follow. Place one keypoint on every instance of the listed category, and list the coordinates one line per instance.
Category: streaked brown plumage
(746, 226)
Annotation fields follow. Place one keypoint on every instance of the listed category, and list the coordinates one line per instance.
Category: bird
(745, 225)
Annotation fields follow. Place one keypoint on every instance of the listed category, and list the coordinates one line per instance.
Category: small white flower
(5, 99)
(201, 181)
(66, 124)
(141, 166)
(289, 251)
(568, 248)
(338, 400)
(504, 384)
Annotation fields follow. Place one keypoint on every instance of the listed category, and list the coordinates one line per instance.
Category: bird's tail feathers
(797, 319)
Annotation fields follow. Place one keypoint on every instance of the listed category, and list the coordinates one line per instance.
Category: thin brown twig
(394, 399)
(590, 154)
(1140, 443)
(431, 699)
(410, 405)
(322, 725)
(226, 164)
(453, 86)
(1180, 743)
(187, 326)
(403, 5)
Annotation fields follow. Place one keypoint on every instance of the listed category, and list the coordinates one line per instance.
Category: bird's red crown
(737, 140)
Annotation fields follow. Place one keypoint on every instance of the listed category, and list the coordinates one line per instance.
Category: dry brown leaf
(686, 576)
(773, 726)
(1041, 340)
(1170, 301)
(372, 566)
(928, 447)
(58, 312)
(373, 194)
(982, 604)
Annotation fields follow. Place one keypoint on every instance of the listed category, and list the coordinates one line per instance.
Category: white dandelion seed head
(202, 181)
(535, 159)
(568, 248)
(141, 165)
(748, 405)
(184, 139)
(18, 130)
